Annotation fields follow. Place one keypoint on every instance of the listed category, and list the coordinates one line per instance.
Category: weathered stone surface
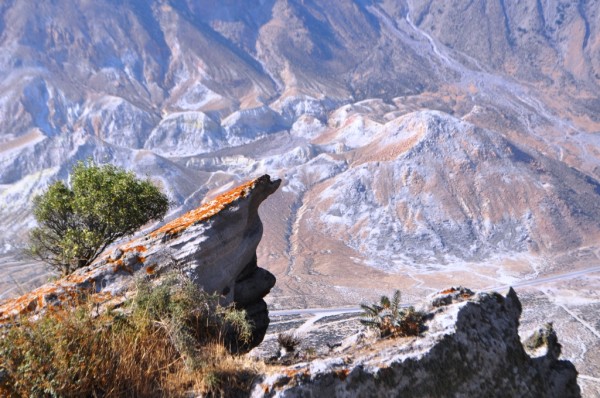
(259, 314)
(257, 284)
(470, 349)
(214, 244)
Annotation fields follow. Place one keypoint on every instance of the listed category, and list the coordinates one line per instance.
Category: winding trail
(320, 313)
(590, 378)
(492, 87)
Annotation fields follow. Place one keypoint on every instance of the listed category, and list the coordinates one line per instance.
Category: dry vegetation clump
(288, 342)
(169, 340)
(390, 319)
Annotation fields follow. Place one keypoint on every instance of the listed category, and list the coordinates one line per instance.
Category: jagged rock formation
(215, 245)
(471, 348)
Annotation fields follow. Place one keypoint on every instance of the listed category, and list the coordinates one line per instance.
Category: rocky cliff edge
(471, 348)
(215, 245)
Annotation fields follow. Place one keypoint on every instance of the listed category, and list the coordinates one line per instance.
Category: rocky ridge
(421, 186)
(200, 94)
(471, 348)
(214, 245)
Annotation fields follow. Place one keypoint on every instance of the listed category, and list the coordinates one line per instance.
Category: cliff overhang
(214, 245)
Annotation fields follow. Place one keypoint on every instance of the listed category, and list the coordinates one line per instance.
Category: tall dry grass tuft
(167, 341)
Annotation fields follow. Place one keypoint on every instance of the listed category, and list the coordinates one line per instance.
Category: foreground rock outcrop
(215, 245)
(471, 348)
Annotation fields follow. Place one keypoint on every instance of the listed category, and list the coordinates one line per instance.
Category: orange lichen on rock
(91, 282)
(101, 297)
(120, 266)
(464, 293)
(60, 295)
(22, 305)
(151, 269)
(300, 374)
(448, 291)
(342, 373)
(79, 279)
(132, 247)
(206, 211)
(35, 300)
(65, 292)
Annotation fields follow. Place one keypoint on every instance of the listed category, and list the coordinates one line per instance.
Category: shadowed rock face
(214, 244)
(471, 348)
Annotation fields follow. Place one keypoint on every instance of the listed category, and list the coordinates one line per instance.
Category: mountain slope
(429, 185)
(410, 134)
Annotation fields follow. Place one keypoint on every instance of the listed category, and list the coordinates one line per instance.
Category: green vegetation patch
(391, 319)
(101, 204)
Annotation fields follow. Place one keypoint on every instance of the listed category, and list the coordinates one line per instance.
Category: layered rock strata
(215, 245)
(471, 348)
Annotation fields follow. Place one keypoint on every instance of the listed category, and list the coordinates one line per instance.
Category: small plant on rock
(390, 319)
(288, 342)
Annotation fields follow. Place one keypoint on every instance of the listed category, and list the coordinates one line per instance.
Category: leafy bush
(166, 341)
(390, 319)
(102, 204)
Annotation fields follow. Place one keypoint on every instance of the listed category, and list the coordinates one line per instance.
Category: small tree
(102, 204)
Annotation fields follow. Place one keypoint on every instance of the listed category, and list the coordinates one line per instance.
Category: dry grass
(168, 342)
(288, 341)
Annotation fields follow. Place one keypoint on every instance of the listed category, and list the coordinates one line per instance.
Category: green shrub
(390, 319)
(166, 341)
(102, 204)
